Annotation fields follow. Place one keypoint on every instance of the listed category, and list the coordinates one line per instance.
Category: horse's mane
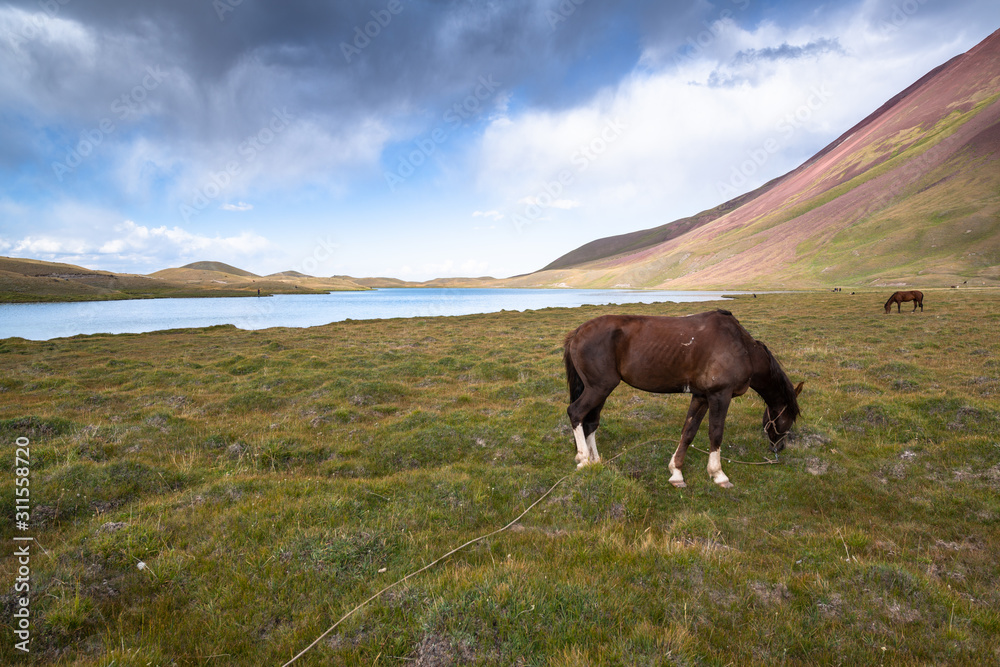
(778, 380)
(782, 383)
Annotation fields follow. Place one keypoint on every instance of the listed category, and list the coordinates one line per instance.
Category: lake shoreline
(45, 321)
(226, 294)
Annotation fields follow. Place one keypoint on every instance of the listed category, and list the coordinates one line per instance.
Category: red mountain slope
(911, 194)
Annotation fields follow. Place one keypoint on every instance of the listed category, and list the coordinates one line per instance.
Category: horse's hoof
(726, 485)
(679, 485)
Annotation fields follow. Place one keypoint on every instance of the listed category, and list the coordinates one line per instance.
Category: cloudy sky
(422, 138)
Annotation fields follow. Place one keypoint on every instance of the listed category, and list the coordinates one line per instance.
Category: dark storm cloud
(744, 66)
(788, 52)
(168, 90)
(328, 58)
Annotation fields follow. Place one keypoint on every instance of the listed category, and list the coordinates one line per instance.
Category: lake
(44, 321)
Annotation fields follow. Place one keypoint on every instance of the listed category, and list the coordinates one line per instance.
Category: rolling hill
(29, 280)
(221, 267)
(910, 195)
(23, 280)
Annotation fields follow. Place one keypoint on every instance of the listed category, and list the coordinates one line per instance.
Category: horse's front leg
(696, 412)
(718, 407)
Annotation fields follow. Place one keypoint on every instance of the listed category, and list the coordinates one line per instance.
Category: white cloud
(492, 215)
(474, 267)
(301, 152)
(239, 206)
(138, 238)
(169, 134)
(138, 243)
(45, 245)
(680, 136)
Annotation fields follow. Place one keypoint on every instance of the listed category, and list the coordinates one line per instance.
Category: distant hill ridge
(30, 280)
(221, 267)
(289, 274)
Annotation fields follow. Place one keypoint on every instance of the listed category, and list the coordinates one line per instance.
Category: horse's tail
(573, 378)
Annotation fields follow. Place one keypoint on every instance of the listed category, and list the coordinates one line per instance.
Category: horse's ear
(798, 389)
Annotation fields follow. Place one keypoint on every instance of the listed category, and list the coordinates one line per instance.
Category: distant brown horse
(709, 355)
(899, 297)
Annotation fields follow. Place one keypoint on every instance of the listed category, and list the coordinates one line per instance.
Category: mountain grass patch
(271, 481)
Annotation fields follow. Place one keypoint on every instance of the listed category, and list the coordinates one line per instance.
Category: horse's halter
(773, 423)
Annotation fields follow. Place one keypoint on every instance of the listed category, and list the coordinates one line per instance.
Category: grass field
(269, 481)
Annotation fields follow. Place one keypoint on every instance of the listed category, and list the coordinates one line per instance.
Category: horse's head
(778, 421)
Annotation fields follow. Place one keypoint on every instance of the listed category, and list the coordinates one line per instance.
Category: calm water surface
(43, 321)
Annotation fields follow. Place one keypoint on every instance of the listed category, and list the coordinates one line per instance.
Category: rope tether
(479, 539)
(425, 567)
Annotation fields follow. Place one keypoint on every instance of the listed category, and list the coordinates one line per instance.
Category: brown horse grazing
(709, 355)
(899, 297)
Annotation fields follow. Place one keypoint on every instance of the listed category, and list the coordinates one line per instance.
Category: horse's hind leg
(584, 416)
(696, 412)
(590, 424)
(582, 451)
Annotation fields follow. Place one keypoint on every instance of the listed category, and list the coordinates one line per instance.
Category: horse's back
(635, 327)
(661, 353)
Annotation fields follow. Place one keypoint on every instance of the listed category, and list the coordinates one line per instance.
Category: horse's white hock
(676, 476)
(715, 470)
(595, 457)
(582, 452)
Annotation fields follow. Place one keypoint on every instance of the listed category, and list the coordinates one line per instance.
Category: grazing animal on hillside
(709, 355)
(900, 297)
